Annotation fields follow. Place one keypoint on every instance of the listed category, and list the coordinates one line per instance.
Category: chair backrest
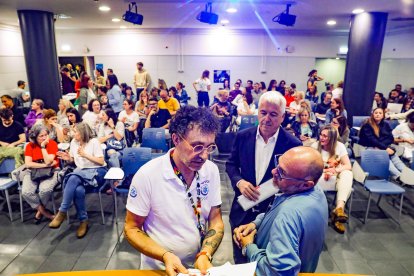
(248, 121)
(7, 166)
(154, 138)
(225, 141)
(393, 123)
(358, 120)
(135, 158)
(156, 154)
(376, 163)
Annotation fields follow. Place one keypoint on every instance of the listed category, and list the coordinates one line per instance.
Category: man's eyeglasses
(280, 174)
(200, 148)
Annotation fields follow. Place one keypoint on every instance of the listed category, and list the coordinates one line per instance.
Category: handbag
(113, 143)
(41, 173)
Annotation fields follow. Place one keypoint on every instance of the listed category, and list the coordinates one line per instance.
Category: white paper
(266, 190)
(226, 270)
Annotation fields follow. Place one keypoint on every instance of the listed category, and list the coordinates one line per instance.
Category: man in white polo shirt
(173, 209)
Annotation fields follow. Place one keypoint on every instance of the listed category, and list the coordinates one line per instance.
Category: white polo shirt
(158, 194)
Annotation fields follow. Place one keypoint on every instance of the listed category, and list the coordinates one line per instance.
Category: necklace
(196, 207)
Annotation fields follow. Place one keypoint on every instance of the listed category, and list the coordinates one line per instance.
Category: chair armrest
(114, 174)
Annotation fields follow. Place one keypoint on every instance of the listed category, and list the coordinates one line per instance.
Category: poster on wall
(221, 75)
(99, 66)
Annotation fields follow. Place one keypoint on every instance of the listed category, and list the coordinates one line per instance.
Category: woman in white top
(294, 106)
(337, 164)
(202, 86)
(245, 107)
(62, 118)
(92, 116)
(130, 119)
(111, 129)
(86, 153)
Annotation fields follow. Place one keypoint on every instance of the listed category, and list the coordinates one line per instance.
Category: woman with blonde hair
(62, 118)
(338, 168)
(304, 128)
(49, 121)
(141, 107)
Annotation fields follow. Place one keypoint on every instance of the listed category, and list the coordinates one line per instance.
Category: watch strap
(210, 258)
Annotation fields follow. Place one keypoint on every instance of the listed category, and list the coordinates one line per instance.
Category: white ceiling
(312, 15)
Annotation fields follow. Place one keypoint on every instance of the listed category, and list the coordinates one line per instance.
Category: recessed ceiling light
(122, 27)
(331, 22)
(337, 58)
(343, 49)
(65, 48)
(356, 11)
(224, 21)
(104, 8)
(116, 19)
(231, 10)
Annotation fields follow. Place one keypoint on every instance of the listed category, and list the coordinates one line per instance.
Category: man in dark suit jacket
(250, 150)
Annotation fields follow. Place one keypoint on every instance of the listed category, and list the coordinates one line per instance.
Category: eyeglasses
(280, 173)
(200, 148)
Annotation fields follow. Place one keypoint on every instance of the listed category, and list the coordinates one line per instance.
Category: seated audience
(129, 94)
(67, 132)
(226, 85)
(305, 129)
(7, 102)
(101, 91)
(86, 94)
(379, 101)
(115, 97)
(157, 118)
(408, 101)
(341, 125)
(155, 93)
(290, 235)
(295, 105)
(40, 155)
(312, 95)
(376, 133)
(256, 93)
(395, 97)
(162, 85)
(281, 87)
(404, 136)
(263, 86)
(141, 107)
(338, 166)
(12, 137)
(288, 93)
(337, 109)
(92, 116)
(130, 119)
(168, 102)
(35, 114)
(87, 155)
(222, 109)
(245, 107)
(100, 79)
(323, 107)
(233, 93)
(62, 118)
(181, 94)
(111, 130)
(272, 85)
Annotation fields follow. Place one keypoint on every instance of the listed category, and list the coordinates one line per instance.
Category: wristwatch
(244, 249)
(43, 147)
(210, 258)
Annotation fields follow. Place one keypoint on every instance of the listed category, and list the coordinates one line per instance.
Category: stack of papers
(226, 270)
(266, 190)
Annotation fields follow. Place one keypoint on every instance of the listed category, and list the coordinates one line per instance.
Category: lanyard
(196, 207)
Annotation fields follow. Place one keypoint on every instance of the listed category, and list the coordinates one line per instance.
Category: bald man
(290, 235)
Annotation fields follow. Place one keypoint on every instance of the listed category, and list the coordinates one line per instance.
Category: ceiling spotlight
(285, 18)
(116, 20)
(133, 17)
(104, 8)
(224, 22)
(356, 11)
(231, 10)
(331, 22)
(207, 16)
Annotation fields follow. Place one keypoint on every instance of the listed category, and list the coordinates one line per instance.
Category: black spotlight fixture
(285, 18)
(133, 17)
(207, 16)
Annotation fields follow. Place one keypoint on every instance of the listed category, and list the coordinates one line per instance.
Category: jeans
(396, 165)
(203, 99)
(113, 158)
(74, 191)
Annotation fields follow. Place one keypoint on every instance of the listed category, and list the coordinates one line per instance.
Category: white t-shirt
(131, 119)
(92, 119)
(157, 194)
(403, 131)
(340, 150)
(293, 105)
(202, 84)
(93, 147)
(105, 130)
(337, 93)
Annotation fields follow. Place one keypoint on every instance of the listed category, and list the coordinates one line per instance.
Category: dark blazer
(241, 165)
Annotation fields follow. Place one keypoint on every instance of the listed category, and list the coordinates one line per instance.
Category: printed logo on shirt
(204, 189)
(133, 192)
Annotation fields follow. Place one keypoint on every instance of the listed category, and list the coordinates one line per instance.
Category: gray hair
(35, 131)
(85, 131)
(274, 98)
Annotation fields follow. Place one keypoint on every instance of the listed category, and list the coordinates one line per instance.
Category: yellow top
(172, 104)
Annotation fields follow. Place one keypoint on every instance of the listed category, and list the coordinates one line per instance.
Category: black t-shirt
(11, 134)
(321, 108)
(160, 118)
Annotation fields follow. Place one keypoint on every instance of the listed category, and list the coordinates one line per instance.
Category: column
(366, 38)
(38, 35)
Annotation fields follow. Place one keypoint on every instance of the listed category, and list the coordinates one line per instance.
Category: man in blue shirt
(290, 235)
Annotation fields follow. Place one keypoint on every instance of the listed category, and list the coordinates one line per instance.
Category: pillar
(38, 35)
(366, 38)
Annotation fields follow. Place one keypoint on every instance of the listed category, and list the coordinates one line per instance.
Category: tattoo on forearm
(213, 239)
(210, 233)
